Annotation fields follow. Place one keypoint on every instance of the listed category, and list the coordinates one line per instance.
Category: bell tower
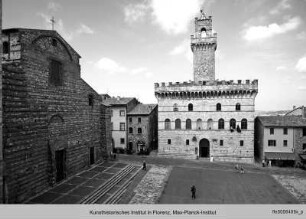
(203, 46)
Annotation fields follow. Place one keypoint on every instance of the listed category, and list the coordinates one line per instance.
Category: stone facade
(194, 117)
(51, 116)
(106, 130)
(1, 143)
(142, 128)
(203, 46)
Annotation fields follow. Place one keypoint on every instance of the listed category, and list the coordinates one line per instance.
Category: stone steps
(115, 198)
(107, 186)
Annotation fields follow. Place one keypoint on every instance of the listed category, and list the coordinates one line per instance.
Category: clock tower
(203, 46)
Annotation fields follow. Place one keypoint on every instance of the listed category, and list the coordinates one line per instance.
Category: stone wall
(299, 140)
(1, 138)
(106, 130)
(149, 130)
(41, 118)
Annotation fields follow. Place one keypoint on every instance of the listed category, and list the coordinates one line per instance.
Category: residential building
(281, 139)
(206, 118)
(142, 128)
(119, 107)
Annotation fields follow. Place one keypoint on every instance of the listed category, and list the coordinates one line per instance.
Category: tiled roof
(142, 109)
(117, 101)
(283, 121)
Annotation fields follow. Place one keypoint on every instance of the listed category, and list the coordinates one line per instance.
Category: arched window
(188, 124)
(167, 124)
(131, 130)
(175, 108)
(221, 124)
(210, 124)
(139, 130)
(190, 107)
(6, 47)
(203, 32)
(244, 124)
(218, 107)
(238, 107)
(199, 124)
(177, 124)
(233, 124)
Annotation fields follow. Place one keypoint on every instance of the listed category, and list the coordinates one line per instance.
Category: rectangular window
(304, 131)
(221, 142)
(241, 143)
(122, 112)
(187, 141)
(122, 126)
(90, 100)
(56, 77)
(285, 143)
(285, 131)
(130, 120)
(272, 143)
(121, 140)
(169, 141)
(271, 131)
(139, 120)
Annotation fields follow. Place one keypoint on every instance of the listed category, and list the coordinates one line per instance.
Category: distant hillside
(271, 113)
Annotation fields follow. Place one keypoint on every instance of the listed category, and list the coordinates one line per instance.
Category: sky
(128, 45)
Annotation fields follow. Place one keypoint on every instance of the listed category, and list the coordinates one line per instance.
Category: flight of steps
(111, 183)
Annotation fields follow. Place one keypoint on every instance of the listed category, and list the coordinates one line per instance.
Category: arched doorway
(204, 148)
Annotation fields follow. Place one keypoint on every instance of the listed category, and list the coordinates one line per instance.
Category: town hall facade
(206, 118)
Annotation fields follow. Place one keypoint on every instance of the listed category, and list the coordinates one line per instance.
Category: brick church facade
(51, 117)
(206, 118)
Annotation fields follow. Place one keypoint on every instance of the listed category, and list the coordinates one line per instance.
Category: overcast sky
(128, 45)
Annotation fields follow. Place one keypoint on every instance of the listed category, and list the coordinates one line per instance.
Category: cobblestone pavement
(292, 179)
(295, 185)
(151, 186)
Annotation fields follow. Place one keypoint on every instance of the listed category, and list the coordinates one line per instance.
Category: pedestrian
(263, 163)
(237, 167)
(114, 156)
(193, 192)
(111, 155)
(144, 165)
(241, 169)
(270, 163)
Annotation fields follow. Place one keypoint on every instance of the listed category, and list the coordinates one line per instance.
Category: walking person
(144, 165)
(237, 167)
(263, 163)
(193, 192)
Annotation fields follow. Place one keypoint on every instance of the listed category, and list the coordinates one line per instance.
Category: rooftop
(143, 109)
(283, 121)
(117, 101)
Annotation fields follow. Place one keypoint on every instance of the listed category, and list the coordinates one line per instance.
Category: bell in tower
(203, 46)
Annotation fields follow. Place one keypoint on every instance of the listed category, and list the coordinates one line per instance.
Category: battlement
(207, 89)
(207, 83)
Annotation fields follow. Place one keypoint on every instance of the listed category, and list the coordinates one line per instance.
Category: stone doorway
(91, 155)
(204, 148)
(60, 160)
